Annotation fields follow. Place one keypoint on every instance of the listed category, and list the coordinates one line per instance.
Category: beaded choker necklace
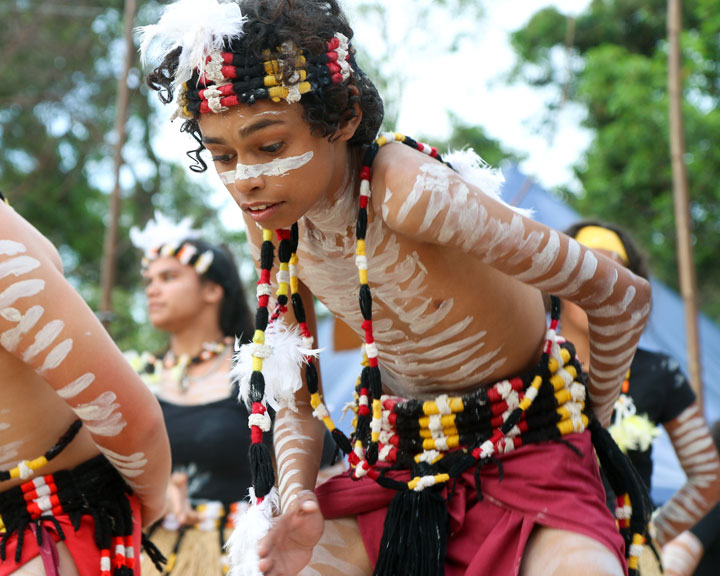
(179, 366)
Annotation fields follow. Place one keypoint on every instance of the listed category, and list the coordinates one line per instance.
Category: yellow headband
(599, 238)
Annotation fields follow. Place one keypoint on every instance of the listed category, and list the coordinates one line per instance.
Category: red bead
(365, 173)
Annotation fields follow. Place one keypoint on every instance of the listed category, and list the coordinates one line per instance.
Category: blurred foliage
(612, 59)
(57, 111)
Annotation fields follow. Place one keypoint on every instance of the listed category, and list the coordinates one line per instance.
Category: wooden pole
(107, 279)
(681, 195)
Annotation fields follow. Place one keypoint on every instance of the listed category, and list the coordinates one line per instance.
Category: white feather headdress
(162, 230)
(477, 172)
(199, 27)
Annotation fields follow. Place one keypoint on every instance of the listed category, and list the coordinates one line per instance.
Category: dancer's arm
(432, 204)
(698, 457)
(46, 325)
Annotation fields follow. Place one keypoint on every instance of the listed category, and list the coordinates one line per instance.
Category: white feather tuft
(249, 530)
(160, 231)
(199, 27)
(479, 173)
(285, 354)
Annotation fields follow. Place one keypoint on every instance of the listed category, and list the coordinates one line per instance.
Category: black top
(659, 389)
(708, 532)
(210, 443)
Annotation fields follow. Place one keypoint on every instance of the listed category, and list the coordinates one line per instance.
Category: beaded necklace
(179, 367)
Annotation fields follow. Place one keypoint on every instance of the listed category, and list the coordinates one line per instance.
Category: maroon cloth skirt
(546, 484)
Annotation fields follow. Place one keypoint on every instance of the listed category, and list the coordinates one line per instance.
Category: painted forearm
(698, 457)
(298, 447)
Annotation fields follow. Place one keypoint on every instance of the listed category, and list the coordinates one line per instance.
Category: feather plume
(199, 27)
(281, 366)
(249, 530)
(160, 231)
(474, 170)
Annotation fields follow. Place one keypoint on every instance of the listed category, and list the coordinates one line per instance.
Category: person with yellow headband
(654, 392)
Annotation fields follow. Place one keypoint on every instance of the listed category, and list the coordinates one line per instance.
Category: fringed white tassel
(283, 354)
(474, 170)
(199, 27)
(242, 545)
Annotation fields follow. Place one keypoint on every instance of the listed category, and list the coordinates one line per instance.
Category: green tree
(57, 110)
(612, 59)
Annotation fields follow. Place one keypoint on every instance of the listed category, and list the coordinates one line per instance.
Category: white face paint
(277, 167)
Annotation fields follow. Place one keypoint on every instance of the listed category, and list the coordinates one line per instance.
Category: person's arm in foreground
(45, 324)
(696, 452)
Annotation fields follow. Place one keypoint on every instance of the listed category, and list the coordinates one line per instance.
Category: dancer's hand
(288, 546)
(178, 503)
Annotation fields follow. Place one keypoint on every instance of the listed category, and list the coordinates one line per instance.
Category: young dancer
(464, 386)
(84, 457)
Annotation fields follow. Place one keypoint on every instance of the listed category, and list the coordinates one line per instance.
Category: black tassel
(365, 302)
(415, 535)
(341, 441)
(261, 469)
(623, 478)
(371, 454)
(153, 552)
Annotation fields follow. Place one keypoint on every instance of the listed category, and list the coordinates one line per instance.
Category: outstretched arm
(698, 457)
(46, 325)
(422, 199)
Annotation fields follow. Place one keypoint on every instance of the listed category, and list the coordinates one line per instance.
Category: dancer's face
(174, 293)
(273, 166)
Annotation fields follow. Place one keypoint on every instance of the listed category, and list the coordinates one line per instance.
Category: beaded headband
(163, 238)
(211, 79)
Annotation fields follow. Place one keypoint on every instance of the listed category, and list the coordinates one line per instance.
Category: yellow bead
(360, 248)
(259, 337)
(267, 235)
(257, 364)
(363, 274)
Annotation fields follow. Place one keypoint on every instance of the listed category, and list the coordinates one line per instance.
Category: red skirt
(545, 484)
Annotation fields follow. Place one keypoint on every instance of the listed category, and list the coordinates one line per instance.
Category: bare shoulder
(401, 178)
(19, 236)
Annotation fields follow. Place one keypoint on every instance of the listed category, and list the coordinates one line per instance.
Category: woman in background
(655, 392)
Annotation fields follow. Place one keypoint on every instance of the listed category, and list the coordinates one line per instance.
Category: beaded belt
(92, 489)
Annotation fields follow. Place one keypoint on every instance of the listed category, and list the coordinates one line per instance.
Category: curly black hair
(306, 24)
